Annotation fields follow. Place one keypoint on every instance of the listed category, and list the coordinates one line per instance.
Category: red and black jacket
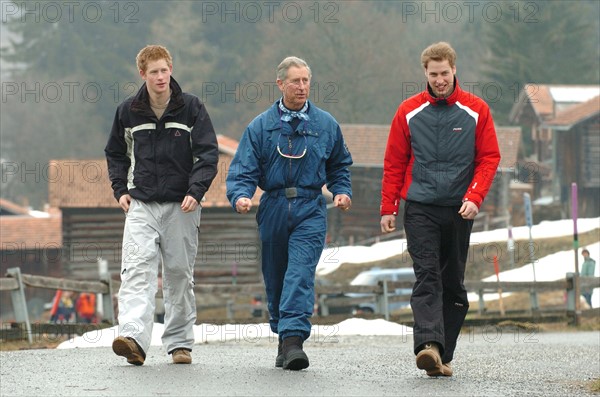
(439, 151)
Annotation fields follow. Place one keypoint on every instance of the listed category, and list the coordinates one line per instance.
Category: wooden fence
(329, 296)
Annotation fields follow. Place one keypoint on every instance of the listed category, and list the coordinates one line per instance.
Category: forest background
(66, 65)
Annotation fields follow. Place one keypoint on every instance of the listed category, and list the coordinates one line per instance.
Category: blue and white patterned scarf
(287, 115)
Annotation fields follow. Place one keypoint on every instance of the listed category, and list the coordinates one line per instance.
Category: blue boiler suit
(292, 215)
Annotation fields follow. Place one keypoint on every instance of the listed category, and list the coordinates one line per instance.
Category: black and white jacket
(162, 160)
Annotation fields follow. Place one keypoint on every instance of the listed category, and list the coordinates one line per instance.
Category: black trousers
(438, 243)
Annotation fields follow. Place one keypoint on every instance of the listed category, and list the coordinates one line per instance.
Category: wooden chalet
(575, 135)
(92, 223)
(31, 241)
(366, 143)
(538, 103)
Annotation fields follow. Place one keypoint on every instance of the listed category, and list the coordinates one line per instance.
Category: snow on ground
(210, 333)
(333, 257)
(551, 267)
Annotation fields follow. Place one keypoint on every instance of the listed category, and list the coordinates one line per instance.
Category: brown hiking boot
(444, 370)
(181, 356)
(429, 359)
(128, 348)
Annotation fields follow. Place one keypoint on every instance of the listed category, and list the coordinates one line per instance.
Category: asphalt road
(488, 361)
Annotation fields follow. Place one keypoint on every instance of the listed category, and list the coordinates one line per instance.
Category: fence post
(571, 297)
(481, 308)
(323, 305)
(108, 311)
(230, 309)
(19, 302)
(382, 300)
(533, 298)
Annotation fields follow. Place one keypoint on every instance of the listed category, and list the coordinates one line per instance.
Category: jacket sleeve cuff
(120, 193)
(473, 199)
(388, 209)
(349, 194)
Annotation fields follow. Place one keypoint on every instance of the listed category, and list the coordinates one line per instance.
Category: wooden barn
(31, 241)
(360, 225)
(536, 105)
(92, 223)
(575, 135)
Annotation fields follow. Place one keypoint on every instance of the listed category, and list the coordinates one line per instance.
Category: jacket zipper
(290, 174)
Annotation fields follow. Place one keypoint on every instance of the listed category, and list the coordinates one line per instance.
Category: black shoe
(294, 357)
(279, 359)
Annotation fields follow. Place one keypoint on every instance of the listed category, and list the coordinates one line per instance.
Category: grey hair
(282, 69)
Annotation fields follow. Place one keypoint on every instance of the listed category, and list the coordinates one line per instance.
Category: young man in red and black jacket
(441, 158)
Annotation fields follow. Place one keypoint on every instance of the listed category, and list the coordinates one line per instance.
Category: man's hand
(243, 205)
(468, 210)
(189, 204)
(124, 202)
(388, 223)
(342, 201)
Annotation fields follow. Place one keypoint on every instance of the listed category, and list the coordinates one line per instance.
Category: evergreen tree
(67, 66)
(548, 42)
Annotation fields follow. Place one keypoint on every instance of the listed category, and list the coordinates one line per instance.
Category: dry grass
(40, 342)
(480, 263)
(475, 270)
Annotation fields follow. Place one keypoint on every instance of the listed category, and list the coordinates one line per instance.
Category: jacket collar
(141, 101)
(451, 100)
(274, 116)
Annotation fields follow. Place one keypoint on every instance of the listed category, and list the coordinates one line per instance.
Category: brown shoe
(429, 359)
(181, 356)
(128, 348)
(444, 370)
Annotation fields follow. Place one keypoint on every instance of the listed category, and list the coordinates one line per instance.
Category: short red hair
(152, 53)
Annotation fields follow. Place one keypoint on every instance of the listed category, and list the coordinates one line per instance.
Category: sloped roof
(80, 184)
(366, 142)
(576, 114)
(9, 208)
(24, 232)
(217, 193)
(547, 99)
(227, 145)
(85, 183)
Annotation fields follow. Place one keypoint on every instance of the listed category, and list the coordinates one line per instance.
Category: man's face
(585, 255)
(157, 76)
(295, 88)
(440, 77)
